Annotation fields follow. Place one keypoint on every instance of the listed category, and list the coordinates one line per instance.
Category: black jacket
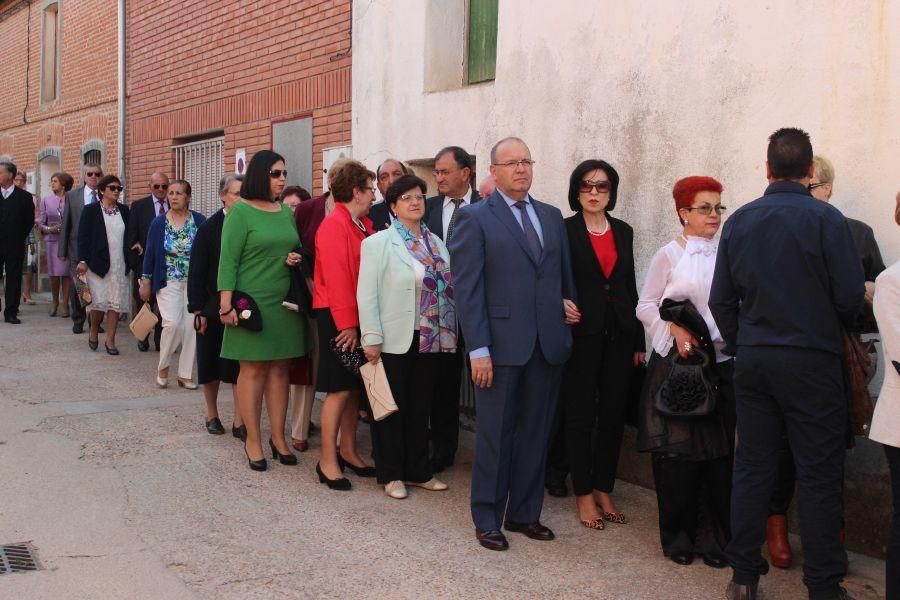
(93, 247)
(203, 290)
(16, 220)
(603, 301)
(143, 212)
(380, 215)
(434, 213)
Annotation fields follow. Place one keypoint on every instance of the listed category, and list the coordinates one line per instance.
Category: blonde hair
(823, 169)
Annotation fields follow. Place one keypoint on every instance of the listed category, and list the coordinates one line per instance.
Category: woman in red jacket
(338, 244)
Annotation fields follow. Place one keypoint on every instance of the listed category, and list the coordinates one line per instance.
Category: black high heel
(239, 432)
(334, 484)
(93, 345)
(285, 459)
(256, 465)
(365, 471)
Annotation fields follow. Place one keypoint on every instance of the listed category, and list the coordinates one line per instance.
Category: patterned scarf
(437, 310)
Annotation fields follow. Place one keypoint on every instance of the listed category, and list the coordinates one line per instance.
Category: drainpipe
(120, 136)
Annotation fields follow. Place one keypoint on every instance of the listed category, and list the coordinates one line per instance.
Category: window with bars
(202, 164)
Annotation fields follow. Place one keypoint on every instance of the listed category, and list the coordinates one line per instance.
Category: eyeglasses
(160, 186)
(443, 172)
(116, 188)
(602, 187)
(411, 197)
(706, 209)
(368, 189)
(94, 174)
(813, 186)
(277, 173)
(525, 163)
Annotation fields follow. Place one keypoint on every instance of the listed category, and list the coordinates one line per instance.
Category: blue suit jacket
(506, 300)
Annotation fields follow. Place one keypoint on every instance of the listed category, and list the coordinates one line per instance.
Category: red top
(338, 243)
(605, 249)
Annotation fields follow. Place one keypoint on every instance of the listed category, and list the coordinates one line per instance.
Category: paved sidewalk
(125, 495)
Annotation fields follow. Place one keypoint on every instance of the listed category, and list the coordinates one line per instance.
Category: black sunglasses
(160, 186)
(115, 188)
(276, 173)
(93, 174)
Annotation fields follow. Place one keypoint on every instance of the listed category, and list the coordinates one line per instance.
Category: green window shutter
(482, 40)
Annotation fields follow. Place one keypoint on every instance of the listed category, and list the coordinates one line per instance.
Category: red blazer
(338, 243)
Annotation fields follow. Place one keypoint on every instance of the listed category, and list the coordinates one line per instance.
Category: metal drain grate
(17, 558)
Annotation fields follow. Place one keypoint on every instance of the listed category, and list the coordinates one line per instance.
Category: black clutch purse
(248, 313)
(351, 360)
(689, 390)
(299, 297)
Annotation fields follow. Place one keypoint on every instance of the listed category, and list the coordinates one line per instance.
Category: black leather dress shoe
(214, 426)
(13, 320)
(535, 530)
(736, 591)
(143, 345)
(715, 560)
(78, 328)
(682, 558)
(239, 432)
(557, 489)
(492, 539)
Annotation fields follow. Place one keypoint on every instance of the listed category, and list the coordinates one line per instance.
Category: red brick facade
(233, 68)
(85, 108)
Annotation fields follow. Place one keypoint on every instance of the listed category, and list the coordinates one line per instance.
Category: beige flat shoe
(432, 485)
(187, 384)
(396, 489)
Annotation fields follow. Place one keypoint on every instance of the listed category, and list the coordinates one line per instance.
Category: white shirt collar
(7, 191)
(467, 198)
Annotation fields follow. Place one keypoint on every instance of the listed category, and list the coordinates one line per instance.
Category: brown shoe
(779, 545)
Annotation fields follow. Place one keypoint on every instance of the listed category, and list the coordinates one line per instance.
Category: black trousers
(443, 419)
(400, 441)
(785, 479)
(557, 454)
(892, 567)
(799, 391)
(11, 266)
(79, 315)
(595, 390)
(694, 498)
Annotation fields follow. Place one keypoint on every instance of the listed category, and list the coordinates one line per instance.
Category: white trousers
(302, 397)
(177, 328)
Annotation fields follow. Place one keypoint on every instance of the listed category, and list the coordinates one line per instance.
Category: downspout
(120, 136)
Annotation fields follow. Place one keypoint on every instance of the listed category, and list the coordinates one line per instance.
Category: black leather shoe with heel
(256, 465)
(334, 484)
(285, 459)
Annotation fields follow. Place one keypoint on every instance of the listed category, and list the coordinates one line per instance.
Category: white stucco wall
(661, 89)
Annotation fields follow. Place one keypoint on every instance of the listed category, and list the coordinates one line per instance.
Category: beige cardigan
(886, 421)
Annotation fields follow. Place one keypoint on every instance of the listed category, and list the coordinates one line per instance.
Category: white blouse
(680, 274)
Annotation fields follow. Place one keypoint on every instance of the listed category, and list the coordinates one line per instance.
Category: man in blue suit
(515, 299)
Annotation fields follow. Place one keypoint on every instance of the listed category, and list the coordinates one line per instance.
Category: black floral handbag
(689, 390)
(351, 360)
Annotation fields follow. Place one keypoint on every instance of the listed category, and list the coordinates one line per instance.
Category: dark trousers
(892, 567)
(138, 303)
(595, 388)
(785, 479)
(444, 411)
(694, 498)
(513, 419)
(11, 266)
(77, 310)
(400, 441)
(557, 468)
(800, 391)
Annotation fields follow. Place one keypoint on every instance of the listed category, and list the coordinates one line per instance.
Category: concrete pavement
(124, 495)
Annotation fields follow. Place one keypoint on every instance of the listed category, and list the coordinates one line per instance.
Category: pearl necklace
(598, 233)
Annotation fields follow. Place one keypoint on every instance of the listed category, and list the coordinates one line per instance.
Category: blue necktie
(534, 241)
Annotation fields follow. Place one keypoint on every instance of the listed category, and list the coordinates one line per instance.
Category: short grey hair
(90, 165)
(226, 181)
(823, 169)
(503, 141)
(10, 167)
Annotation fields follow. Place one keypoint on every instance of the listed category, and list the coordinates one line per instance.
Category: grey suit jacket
(68, 235)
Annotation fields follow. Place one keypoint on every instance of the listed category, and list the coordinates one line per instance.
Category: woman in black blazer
(608, 342)
(101, 260)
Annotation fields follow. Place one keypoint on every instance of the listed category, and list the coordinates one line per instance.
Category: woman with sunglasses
(692, 457)
(101, 260)
(258, 242)
(165, 274)
(608, 342)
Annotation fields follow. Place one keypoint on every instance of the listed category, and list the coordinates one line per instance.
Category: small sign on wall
(329, 155)
(240, 161)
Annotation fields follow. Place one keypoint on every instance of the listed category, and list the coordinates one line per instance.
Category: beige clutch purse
(143, 322)
(378, 390)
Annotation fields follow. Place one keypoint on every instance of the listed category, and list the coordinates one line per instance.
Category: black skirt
(332, 376)
(210, 366)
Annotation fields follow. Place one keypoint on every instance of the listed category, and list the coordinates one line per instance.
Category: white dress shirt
(88, 195)
(157, 202)
(7, 191)
(447, 211)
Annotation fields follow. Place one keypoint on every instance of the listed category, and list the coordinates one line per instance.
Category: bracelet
(227, 312)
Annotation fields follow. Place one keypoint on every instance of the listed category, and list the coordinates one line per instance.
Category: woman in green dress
(258, 242)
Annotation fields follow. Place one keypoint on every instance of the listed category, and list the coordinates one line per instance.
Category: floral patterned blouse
(177, 245)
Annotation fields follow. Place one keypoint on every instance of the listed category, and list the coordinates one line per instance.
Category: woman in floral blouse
(166, 266)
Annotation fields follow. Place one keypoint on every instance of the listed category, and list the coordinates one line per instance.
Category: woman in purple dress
(49, 222)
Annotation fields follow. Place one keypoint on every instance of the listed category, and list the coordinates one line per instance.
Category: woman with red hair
(692, 457)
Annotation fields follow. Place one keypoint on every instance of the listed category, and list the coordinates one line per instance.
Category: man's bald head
(159, 185)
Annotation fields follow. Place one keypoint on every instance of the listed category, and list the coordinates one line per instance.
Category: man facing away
(787, 279)
(514, 296)
(76, 200)
(142, 213)
(16, 221)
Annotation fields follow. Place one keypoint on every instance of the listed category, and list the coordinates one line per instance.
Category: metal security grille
(202, 164)
(17, 558)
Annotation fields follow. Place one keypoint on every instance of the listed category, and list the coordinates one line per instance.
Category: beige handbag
(378, 390)
(143, 322)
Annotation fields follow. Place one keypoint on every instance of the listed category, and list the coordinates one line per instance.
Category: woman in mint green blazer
(407, 319)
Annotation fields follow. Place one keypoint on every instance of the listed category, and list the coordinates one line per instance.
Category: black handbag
(299, 297)
(247, 309)
(351, 360)
(689, 390)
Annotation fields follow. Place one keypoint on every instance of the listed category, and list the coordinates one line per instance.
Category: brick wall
(235, 67)
(85, 108)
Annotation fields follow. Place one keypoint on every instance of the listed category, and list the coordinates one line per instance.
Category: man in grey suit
(515, 300)
(76, 200)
